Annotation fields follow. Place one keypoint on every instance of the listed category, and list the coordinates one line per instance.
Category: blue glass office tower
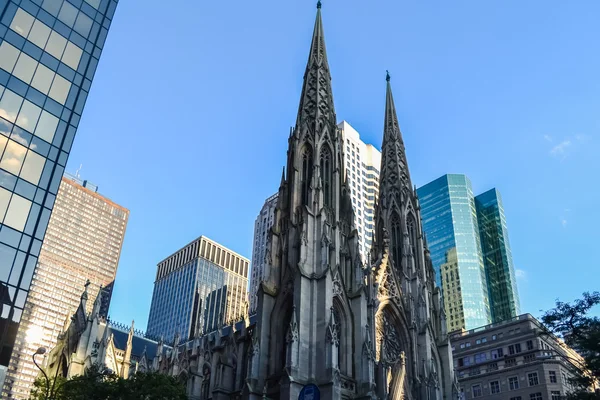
(199, 288)
(497, 257)
(451, 228)
(49, 51)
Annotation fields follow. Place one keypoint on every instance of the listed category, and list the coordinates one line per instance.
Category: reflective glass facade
(49, 51)
(451, 228)
(83, 241)
(497, 257)
(198, 289)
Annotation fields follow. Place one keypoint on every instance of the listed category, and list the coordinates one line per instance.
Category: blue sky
(188, 117)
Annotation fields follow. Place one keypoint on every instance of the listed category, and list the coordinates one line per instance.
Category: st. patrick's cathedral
(356, 331)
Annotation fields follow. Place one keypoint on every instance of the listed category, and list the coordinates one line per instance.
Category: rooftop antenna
(78, 169)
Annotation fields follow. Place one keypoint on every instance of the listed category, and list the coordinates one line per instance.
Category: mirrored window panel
(17, 213)
(51, 41)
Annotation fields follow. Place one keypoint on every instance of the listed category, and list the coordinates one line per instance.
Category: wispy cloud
(521, 274)
(560, 150)
(563, 148)
(563, 219)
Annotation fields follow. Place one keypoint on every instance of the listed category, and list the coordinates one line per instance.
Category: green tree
(580, 331)
(98, 383)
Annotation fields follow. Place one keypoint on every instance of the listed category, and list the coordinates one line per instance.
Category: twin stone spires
(316, 106)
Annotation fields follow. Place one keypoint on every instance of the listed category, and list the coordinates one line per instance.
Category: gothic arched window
(341, 332)
(307, 167)
(326, 174)
(396, 240)
(206, 383)
(412, 233)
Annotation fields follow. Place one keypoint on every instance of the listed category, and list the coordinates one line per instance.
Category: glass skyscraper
(49, 51)
(497, 257)
(452, 232)
(199, 288)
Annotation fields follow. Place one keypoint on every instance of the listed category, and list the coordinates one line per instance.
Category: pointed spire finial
(387, 75)
(319, 4)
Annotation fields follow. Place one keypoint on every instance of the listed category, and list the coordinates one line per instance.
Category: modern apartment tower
(49, 51)
(362, 163)
(82, 246)
(197, 289)
(497, 257)
(452, 233)
(468, 240)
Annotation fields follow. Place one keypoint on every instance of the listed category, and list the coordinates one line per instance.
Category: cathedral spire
(316, 103)
(393, 161)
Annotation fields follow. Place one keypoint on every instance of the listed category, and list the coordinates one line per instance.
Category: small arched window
(307, 167)
(412, 233)
(206, 383)
(326, 174)
(396, 240)
(342, 343)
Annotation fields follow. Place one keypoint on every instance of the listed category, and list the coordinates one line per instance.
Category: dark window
(477, 391)
(552, 376)
(495, 387)
(529, 358)
(206, 383)
(498, 353)
(326, 174)
(533, 378)
(412, 233)
(396, 240)
(530, 345)
(555, 395)
(535, 396)
(307, 164)
(513, 382)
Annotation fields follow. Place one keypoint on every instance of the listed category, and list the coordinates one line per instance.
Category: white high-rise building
(263, 223)
(362, 163)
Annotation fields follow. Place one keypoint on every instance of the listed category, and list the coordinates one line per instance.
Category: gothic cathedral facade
(356, 331)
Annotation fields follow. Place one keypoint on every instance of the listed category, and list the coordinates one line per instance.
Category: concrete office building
(362, 162)
(49, 52)
(513, 360)
(198, 288)
(82, 243)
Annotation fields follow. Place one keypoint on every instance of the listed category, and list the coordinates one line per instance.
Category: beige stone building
(514, 360)
(82, 243)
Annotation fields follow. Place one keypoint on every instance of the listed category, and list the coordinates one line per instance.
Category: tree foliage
(98, 383)
(580, 331)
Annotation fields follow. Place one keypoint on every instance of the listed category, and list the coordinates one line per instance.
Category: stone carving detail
(333, 334)
(348, 384)
(337, 285)
(337, 377)
(388, 286)
(368, 344)
(292, 334)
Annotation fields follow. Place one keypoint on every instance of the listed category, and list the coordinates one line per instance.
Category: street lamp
(41, 351)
